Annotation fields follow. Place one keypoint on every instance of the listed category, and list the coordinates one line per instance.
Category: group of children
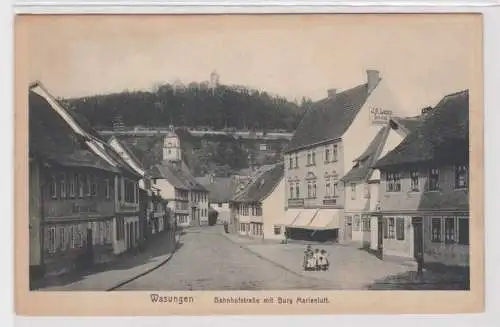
(315, 260)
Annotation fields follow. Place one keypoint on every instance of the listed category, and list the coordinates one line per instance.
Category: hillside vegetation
(194, 105)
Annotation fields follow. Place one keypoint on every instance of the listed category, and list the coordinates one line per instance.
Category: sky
(421, 57)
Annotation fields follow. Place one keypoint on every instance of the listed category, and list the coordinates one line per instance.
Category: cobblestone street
(207, 260)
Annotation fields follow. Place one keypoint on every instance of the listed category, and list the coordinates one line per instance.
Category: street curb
(145, 272)
(274, 262)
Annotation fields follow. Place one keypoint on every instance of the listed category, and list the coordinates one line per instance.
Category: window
(107, 190)
(120, 228)
(327, 155)
(53, 188)
(291, 191)
(389, 228)
(335, 152)
(88, 186)
(463, 231)
(449, 230)
(72, 186)
(308, 158)
(62, 238)
(393, 183)
(72, 236)
(366, 224)
(277, 230)
(63, 186)
(433, 179)
(130, 191)
(357, 223)
(461, 176)
(313, 158)
(79, 182)
(77, 237)
(51, 240)
(258, 210)
(94, 187)
(219, 205)
(290, 166)
(328, 188)
(353, 191)
(296, 160)
(367, 191)
(436, 230)
(400, 229)
(335, 187)
(414, 180)
(314, 189)
(385, 228)
(297, 191)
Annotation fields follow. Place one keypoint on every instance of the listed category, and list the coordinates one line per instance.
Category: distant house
(425, 187)
(362, 183)
(221, 191)
(74, 187)
(258, 209)
(331, 135)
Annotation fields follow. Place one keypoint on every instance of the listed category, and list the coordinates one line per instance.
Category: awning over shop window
(326, 219)
(305, 218)
(290, 216)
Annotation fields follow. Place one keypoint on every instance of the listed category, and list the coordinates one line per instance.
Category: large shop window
(449, 230)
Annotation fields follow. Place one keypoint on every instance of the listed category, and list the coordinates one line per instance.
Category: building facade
(326, 143)
(425, 188)
(258, 209)
(362, 183)
(73, 190)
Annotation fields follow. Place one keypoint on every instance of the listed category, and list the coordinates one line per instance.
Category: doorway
(418, 237)
(348, 228)
(380, 235)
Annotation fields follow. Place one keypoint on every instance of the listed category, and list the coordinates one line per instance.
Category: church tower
(171, 147)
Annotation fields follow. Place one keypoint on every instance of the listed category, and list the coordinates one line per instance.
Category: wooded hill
(195, 105)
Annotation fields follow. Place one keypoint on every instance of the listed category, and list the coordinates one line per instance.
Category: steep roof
(443, 136)
(364, 162)
(52, 139)
(222, 189)
(262, 186)
(328, 119)
(179, 177)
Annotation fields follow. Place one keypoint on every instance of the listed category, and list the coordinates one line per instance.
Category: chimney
(373, 77)
(332, 93)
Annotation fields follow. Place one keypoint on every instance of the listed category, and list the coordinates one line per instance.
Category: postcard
(248, 164)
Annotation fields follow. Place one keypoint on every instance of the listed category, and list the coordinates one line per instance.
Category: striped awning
(305, 218)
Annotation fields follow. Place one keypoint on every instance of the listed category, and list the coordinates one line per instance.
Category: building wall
(396, 243)
(199, 201)
(318, 172)
(363, 129)
(274, 212)
(408, 199)
(35, 217)
(449, 252)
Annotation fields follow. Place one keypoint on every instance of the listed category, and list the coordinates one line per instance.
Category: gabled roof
(131, 155)
(179, 177)
(442, 137)
(52, 139)
(262, 186)
(222, 189)
(363, 166)
(329, 119)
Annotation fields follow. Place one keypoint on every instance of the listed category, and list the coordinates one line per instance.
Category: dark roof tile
(442, 136)
(262, 186)
(328, 119)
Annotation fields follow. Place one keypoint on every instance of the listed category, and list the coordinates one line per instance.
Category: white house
(331, 135)
(258, 209)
